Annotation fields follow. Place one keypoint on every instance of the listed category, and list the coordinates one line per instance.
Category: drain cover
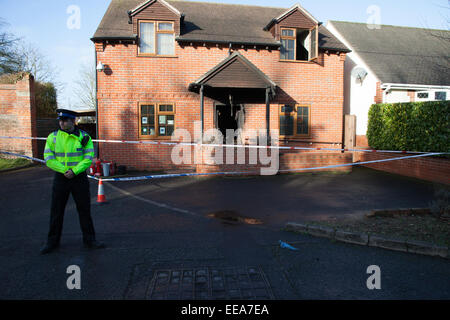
(210, 284)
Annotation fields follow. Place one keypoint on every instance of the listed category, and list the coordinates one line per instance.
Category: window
(156, 120)
(156, 38)
(422, 95)
(288, 41)
(299, 44)
(294, 121)
(440, 95)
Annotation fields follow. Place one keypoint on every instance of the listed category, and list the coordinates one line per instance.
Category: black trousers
(62, 188)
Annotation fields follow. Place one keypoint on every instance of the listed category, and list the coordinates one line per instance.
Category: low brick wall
(302, 160)
(287, 161)
(428, 168)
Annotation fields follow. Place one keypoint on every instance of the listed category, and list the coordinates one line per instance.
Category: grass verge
(421, 228)
(6, 164)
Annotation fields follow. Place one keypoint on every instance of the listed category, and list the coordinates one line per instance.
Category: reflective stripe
(72, 163)
(79, 149)
(54, 140)
(74, 154)
(88, 150)
(88, 157)
(60, 154)
(50, 158)
(49, 151)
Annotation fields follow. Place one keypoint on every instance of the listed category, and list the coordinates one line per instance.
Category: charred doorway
(229, 117)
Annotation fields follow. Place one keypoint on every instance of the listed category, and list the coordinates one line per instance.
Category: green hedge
(413, 126)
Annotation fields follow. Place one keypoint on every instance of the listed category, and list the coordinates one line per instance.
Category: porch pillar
(267, 113)
(202, 107)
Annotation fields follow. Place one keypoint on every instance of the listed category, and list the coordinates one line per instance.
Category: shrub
(415, 126)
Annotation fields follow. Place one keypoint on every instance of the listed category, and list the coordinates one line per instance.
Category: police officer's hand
(69, 174)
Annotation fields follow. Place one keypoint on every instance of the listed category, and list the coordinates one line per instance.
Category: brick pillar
(18, 119)
(379, 94)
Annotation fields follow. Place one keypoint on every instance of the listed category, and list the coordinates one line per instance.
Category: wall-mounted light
(100, 67)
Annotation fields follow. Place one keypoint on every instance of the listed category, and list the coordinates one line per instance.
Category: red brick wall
(18, 116)
(379, 94)
(361, 141)
(132, 79)
(426, 168)
(287, 161)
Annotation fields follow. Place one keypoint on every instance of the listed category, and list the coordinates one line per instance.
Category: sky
(62, 29)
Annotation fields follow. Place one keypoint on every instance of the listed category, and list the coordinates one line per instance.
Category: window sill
(297, 61)
(294, 138)
(154, 56)
(154, 138)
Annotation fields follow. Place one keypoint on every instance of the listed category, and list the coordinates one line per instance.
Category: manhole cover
(232, 217)
(210, 283)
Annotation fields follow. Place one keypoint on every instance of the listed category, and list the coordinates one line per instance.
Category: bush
(46, 105)
(415, 126)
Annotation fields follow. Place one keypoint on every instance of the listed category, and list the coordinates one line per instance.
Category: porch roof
(235, 71)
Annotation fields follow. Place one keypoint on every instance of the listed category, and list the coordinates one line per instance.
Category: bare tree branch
(85, 86)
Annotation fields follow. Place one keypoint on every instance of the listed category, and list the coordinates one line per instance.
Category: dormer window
(298, 44)
(156, 38)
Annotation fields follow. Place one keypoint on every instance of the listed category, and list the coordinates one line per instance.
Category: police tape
(174, 175)
(22, 156)
(208, 145)
(250, 173)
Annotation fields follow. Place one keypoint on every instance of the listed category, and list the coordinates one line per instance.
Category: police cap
(64, 113)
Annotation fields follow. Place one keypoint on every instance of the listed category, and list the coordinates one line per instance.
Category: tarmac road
(151, 226)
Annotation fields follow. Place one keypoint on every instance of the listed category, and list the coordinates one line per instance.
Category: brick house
(168, 64)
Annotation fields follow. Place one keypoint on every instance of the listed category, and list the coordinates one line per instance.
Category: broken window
(294, 121)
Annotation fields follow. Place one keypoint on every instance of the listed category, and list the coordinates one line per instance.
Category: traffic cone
(101, 198)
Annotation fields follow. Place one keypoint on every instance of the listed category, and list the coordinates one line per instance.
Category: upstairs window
(299, 44)
(156, 38)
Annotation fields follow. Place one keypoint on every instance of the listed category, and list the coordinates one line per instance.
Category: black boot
(94, 244)
(49, 247)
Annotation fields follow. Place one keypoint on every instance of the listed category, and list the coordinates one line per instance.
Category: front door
(226, 118)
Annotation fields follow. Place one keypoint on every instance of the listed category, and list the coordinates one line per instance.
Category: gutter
(390, 86)
(96, 105)
(273, 44)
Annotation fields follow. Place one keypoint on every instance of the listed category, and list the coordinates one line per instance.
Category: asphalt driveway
(151, 226)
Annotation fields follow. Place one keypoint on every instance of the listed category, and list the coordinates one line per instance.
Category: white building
(391, 64)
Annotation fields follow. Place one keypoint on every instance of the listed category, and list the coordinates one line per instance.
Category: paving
(159, 231)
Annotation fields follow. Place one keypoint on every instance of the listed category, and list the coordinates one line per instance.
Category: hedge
(413, 126)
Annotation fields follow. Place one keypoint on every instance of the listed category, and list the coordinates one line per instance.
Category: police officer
(69, 152)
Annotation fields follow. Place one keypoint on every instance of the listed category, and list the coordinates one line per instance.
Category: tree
(32, 60)
(85, 86)
(45, 95)
(9, 62)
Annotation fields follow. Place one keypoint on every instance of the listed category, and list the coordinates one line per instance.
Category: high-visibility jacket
(63, 151)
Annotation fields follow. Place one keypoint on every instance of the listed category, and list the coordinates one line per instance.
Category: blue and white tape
(160, 143)
(174, 175)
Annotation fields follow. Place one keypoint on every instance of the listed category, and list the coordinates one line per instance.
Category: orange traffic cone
(101, 199)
